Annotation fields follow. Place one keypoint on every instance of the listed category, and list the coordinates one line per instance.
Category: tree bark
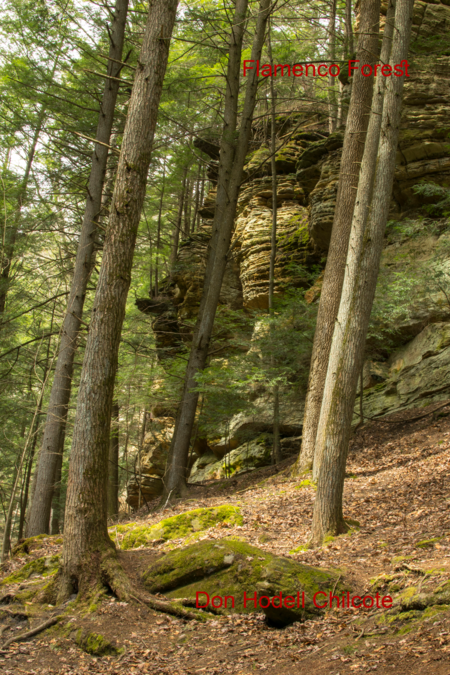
(113, 464)
(55, 423)
(276, 450)
(361, 209)
(89, 558)
(231, 162)
(55, 520)
(332, 101)
(158, 232)
(357, 298)
(11, 233)
(354, 139)
(177, 229)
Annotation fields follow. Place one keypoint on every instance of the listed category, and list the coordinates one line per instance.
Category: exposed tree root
(166, 607)
(191, 602)
(32, 632)
(14, 612)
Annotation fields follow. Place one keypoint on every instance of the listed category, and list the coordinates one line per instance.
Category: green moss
(434, 611)
(95, 644)
(230, 567)
(177, 527)
(42, 566)
(306, 483)
(298, 549)
(408, 593)
(428, 543)
(400, 558)
(264, 538)
(32, 543)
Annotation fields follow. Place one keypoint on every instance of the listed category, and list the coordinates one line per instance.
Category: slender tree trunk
(158, 231)
(89, 558)
(276, 451)
(358, 120)
(332, 99)
(187, 199)
(113, 464)
(55, 424)
(29, 468)
(177, 229)
(232, 156)
(357, 298)
(361, 210)
(11, 233)
(197, 197)
(348, 29)
(6, 545)
(56, 499)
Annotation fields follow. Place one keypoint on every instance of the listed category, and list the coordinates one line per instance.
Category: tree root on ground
(14, 612)
(191, 602)
(32, 632)
(166, 607)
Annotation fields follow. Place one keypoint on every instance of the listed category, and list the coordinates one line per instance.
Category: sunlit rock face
(307, 164)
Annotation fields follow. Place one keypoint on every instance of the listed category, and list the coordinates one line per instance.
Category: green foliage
(438, 195)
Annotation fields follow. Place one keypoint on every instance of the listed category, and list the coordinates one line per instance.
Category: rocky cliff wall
(307, 162)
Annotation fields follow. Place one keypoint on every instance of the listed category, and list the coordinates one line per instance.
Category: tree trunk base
(321, 536)
(101, 571)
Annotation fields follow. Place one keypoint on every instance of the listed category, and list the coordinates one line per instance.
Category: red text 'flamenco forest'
(325, 70)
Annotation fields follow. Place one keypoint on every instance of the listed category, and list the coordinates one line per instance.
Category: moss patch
(229, 568)
(41, 566)
(428, 543)
(95, 644)
(132, 535)
(306, 483)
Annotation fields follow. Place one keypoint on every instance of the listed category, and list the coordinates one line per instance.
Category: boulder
(134, 535)
(231, 568)
(419, 374)
(147, 483)
(247, 457)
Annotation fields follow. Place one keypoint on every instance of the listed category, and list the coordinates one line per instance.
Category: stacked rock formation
(307, 162)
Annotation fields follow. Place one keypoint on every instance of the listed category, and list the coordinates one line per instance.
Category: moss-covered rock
(230, 568)
(95, 644)
(133, 535)
(40, 566)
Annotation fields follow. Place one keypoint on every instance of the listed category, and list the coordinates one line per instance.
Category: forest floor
(397, 488)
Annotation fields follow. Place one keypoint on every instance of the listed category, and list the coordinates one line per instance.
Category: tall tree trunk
(360, 212)
(55, 423)
(348, 30)
(6, 544)
(357, 296)
(56, 499)
(197, 197)
(29, 468)
(232, 156)
(89, 558)
(358, 120)
(187, 200)
(11, 233)
(158, 231)
(177, 229)
(332, 99)
(113, 464)
(276, 450)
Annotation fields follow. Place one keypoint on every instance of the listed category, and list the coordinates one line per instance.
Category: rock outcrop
(416, 375)
(307, 161)
(229, 567)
